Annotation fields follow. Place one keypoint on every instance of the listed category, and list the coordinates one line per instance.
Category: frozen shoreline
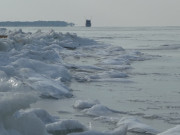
(34, 66)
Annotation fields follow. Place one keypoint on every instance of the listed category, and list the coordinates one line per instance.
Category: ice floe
(95, 109)
(84, 104)
(65, 127)
(11, 102)
(32, 61)
(99, 110)
(134, 125)
(28, 124)
(31, 64)
(118, 131)
(43, 115)
(107, 66)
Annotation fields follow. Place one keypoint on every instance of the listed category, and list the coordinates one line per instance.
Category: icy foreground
(31, 62)
(32, 67)
(103, 114)
(10, 124)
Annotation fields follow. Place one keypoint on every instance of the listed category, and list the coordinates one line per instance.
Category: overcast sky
(101, 12)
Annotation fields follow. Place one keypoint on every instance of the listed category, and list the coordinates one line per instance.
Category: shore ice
(31, 67)
(31, 64)
(118, 131)
(134, 125)
(29, 124)
(65, 126)
(84, 104)
(32, 61)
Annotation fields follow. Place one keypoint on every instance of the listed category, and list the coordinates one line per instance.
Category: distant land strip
(35, 24)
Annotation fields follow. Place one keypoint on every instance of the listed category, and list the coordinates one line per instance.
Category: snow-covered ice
(31, 67)
(28, 124)
(32, 61)
(65, 126)
(43, 115)
(118, 131)
(134, 125)
(41, 66)
(84, 104)
(99, 110)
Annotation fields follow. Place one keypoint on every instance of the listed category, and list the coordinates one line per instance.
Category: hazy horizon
(101, 12)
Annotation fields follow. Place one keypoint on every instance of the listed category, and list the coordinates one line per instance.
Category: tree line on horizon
(36, 23)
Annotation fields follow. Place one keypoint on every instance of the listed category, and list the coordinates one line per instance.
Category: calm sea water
(153, 96)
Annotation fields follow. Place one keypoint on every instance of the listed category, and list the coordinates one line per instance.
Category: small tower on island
(88, 23)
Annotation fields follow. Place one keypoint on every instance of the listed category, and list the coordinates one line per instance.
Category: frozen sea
(101, 76)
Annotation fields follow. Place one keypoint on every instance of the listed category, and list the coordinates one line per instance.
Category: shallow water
(151, 92)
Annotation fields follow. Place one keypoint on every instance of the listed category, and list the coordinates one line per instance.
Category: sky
(101, 12)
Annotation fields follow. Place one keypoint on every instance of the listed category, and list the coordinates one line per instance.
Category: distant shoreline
(35, 24)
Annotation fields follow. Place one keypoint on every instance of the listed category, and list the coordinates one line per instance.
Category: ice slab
(65, 126)
(134, 125)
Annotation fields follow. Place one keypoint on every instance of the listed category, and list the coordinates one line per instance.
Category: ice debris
(84, 104)
(31, 67)
(32, 62)
(65, 126)
(99, 110)
(118, 131)
(134, 125)
(43, 115)
(28, 124)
